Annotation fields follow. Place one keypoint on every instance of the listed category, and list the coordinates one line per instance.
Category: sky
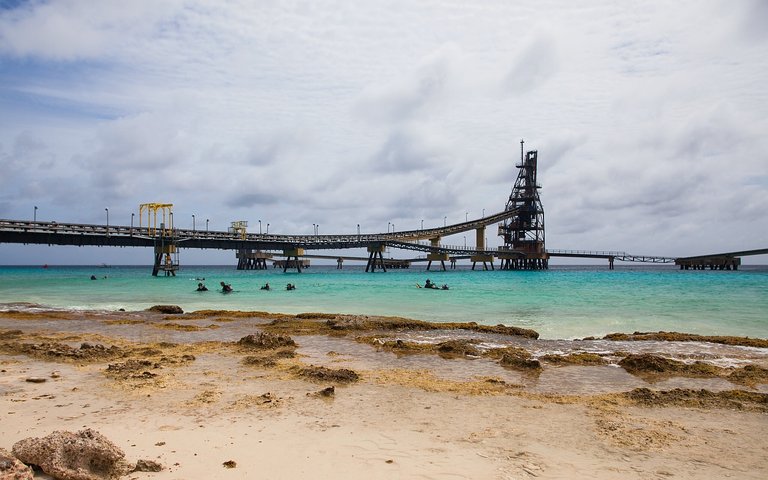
(649, 118)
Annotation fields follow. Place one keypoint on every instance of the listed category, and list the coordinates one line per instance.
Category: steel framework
(524, 232)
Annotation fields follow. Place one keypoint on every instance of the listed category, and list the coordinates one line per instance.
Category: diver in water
(201, 287)
(225, 287)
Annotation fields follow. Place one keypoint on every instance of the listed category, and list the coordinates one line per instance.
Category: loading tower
(166, 244)
(523, 233)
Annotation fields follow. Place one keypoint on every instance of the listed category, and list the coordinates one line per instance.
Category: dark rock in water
(230, 464)
(323, 374)
(13, 469)
(579, 358)
(515, 358)
(265, 340)
(654, 365)
(519, 363)
(85, 455)
(147, 466)
(458, 348)
(648, 363)
(171, 309)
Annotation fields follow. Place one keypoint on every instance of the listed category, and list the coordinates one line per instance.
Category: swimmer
(265, 287)
(290, 286)
(201, 287)
(225, 287)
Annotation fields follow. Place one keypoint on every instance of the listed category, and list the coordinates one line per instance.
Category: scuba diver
(225, 287)
(201, 287)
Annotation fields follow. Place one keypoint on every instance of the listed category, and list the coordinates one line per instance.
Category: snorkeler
(201, 287)
(225, 287)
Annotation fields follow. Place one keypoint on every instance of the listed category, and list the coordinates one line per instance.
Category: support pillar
(166, 260)
(375, 256)
(438, 257)
(294, 253)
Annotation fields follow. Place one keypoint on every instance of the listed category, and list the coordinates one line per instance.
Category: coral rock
(147, 466)
(85, 455)
(12, 469)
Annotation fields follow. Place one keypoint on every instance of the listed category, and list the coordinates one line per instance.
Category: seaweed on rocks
(515, 358)
(458, 348)
(266, 341)
(749, 375)
(340, 325)
(579, 358)
(683, 397)
(55, 351)
(324, 374)
(686, 337)
(647, 364)
(10, 334)
(168, 309)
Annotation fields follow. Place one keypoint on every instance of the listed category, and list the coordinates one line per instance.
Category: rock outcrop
(85, 455)
(12, 469)
(170, 309)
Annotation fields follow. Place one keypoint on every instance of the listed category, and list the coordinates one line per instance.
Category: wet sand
(194, 392)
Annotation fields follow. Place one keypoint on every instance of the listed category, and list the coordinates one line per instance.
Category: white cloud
(647, 124)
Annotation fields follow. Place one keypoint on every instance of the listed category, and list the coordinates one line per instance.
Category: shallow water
(335, 352)
(561, 303)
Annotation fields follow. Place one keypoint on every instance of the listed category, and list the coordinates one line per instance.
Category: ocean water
(561, 303)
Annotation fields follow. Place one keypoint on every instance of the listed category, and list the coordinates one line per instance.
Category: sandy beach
(261, 407)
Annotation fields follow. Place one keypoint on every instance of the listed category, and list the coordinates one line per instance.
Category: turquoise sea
(564, 302)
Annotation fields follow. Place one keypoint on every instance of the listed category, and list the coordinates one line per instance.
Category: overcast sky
(650, 117)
